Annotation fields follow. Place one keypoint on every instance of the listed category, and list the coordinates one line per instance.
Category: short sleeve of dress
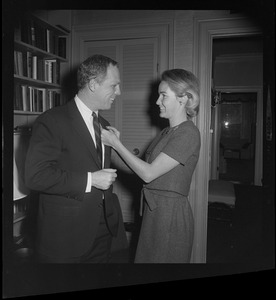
(184, 142)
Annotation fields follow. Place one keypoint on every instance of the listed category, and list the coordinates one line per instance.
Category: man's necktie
(107, 202)
(97, 130)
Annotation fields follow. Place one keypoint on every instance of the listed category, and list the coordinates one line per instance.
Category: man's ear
(92, 85)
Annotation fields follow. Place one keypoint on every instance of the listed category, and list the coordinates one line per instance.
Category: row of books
(20, 207)
(35, 67)
(33, 33)
(33, 99)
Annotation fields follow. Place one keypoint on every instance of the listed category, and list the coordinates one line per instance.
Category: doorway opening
(236, 110)
(237, 137)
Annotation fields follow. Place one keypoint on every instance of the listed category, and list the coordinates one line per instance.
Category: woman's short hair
(183, 82)
(94, 67)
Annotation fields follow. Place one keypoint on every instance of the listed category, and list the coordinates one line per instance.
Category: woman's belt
(148, 194)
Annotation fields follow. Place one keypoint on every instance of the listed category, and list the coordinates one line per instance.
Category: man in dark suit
(79, 218)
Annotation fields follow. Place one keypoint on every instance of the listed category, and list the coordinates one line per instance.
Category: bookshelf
(39, 49)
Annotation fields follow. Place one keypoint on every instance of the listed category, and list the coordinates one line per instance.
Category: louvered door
(130, 114)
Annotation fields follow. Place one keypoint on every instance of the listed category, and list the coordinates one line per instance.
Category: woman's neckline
(173, 128)
(176, 126)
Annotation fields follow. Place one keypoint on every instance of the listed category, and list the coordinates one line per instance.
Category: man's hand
(104, 178)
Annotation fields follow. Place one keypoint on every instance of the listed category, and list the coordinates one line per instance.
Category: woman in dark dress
(167, 229)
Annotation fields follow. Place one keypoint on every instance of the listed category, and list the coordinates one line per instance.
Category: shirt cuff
(89, 182)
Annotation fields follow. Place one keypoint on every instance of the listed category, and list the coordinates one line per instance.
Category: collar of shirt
(84, 110)
(86, 114)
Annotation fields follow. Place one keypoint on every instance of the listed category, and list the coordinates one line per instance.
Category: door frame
(206, 28)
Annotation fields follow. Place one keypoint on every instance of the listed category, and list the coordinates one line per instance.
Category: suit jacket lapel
(80, 126)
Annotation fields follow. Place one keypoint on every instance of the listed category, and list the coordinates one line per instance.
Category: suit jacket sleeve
(49, 166)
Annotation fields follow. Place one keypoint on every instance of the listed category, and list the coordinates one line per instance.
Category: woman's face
(168, 102)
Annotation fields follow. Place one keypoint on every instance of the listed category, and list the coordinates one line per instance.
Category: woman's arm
(147, 172)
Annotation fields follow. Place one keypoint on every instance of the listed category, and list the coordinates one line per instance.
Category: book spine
(20, 63)
(15, 63)
(62, 47)
(33, 34)
(34, 67)
(48, 40)
(25, 99)
(29, 64)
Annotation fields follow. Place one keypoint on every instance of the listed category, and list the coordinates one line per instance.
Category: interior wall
(238, 70)
(182, 32)
(87, 17)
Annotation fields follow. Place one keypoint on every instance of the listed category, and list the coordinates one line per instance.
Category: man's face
(108, 89)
